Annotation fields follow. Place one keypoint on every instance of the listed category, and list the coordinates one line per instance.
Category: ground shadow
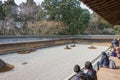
(117, 67)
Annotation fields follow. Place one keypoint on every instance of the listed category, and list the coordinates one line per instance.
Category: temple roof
(108, 9)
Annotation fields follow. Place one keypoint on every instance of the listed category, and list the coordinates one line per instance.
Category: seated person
(89, 71)
(80, 75)
(115, 42)
(117, 51)
(104, 61)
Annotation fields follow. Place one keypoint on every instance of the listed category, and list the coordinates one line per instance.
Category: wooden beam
(108, 9)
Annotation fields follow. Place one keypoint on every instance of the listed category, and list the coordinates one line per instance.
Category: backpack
(112, 64)
(114, 54)
(91, 74)
(80, 75)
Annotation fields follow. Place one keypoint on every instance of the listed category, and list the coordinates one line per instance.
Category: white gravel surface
(54, 63)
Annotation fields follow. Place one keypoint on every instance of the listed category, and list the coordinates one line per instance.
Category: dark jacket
(80, 75)
(104, 61)
(92, 75)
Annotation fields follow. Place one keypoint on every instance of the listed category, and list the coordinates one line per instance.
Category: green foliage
(117, 29)
(68, 11)
(103, 23)
(49, 9)
(6, 9)
(97, 24)
(2, 14)
(101, 26)
(9, 9)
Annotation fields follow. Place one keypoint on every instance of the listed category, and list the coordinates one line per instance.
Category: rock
(2, 64)
(92, 47)
(67, 47)
(24, 63)
(5, 66)
(73, 45)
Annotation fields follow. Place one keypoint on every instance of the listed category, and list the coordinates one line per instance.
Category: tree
(97, 24)
(10, 8)
(29, 12)
(2, 14)
(68, 11)
(117, 29)
(50, 9)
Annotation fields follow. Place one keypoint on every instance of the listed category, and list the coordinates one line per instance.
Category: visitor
(80, 75)
(115, 42)
(89, 71)
(104, 61)
(117, 51)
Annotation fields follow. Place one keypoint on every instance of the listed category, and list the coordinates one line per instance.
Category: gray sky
(39, 2)
(20, 1)
(84, 6)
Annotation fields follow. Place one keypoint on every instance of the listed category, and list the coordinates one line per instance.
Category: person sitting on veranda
(104, 61)
(115, 42)
(117, 51)
(89, 71)
(80, 75)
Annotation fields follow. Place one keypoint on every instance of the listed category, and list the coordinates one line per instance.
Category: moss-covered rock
(5, 66)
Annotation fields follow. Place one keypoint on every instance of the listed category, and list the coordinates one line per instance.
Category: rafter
(108, 9)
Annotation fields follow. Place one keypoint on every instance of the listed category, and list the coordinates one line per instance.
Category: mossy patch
(7, 68)
(23, 52)
(26, 51)
(92, 47)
